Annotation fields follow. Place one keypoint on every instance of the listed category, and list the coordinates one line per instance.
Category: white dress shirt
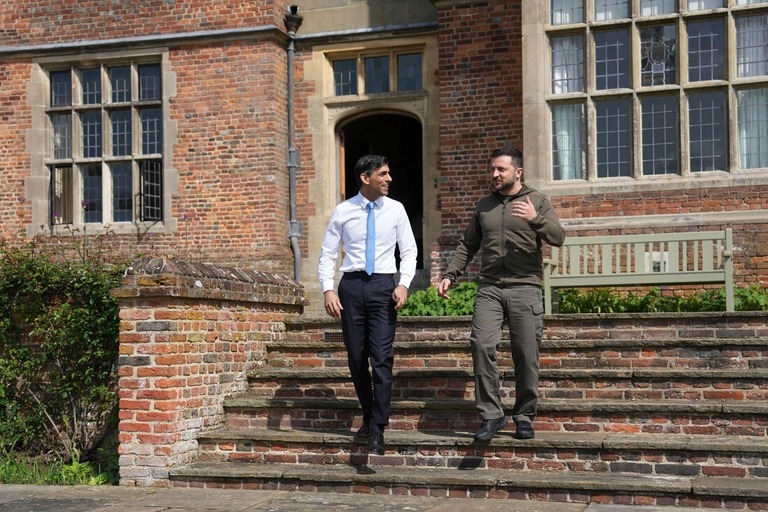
(347, 228)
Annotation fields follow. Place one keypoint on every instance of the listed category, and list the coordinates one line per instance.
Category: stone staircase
(635, 409)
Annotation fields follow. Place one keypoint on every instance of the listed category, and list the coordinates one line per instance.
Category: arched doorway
(399, 138)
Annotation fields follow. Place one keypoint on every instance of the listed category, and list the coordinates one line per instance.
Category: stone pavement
(33, 498)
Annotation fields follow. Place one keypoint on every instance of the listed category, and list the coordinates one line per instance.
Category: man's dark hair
(368, 164)
(511, 151)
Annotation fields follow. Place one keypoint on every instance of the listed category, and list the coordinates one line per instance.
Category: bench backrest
(664, 258)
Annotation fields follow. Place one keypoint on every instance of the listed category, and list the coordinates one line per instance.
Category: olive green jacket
(511, 248)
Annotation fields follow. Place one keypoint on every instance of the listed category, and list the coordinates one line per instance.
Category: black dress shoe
(489, 428)
(524, 430)
(376, 440)
(365, 429)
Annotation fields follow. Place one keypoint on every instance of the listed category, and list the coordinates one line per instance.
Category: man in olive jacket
(508, 225)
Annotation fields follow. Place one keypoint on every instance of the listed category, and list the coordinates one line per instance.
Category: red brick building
(221, 131)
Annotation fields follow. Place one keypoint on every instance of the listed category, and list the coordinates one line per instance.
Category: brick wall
(230, 110)
(52, 21)
(15, 211)
(188, 335)
(481, 93)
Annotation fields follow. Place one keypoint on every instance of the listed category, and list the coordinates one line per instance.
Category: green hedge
(601, 300)
(59, 328)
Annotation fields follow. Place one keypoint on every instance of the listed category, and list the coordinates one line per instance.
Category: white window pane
(611, 9)
(61, 126)
(568, 142)
(567, 11)
(750, 2)
(657, 7)
(62, 191)
(753, 128)
(752, 45)
(567, 64)
(701, 5)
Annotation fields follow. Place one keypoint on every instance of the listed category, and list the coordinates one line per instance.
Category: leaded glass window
(660, 125)
(658, 52)
(101, 134)
(614, 138)
(612, 59)
(345, 77)
(376, 74)
(753, 127)
(706, 50)
(568, 141)
(567, 64)
(565, 12)
(708, 148)
(409, 72)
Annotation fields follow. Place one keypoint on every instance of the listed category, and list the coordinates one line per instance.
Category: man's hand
(442, 288)
(400, 295)
(332, 304)
(524, 209)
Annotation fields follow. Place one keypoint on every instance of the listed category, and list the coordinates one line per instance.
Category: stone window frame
(39, 146)
(539, 100)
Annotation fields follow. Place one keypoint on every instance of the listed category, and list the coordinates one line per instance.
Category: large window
(658, 87)
(106, 143)
(379, 72)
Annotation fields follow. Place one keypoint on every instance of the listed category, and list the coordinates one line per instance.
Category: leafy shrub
(59, 329)
(599, 300)
(429, 303)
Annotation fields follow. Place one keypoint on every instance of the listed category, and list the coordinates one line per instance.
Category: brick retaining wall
(188, 335)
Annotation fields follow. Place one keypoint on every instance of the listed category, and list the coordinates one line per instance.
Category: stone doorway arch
(399, 138)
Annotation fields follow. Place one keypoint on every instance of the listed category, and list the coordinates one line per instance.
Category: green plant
(15, 469)
(59, 329)
(599, 300)
(429, 303)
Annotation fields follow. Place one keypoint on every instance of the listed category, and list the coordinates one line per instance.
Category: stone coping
(151, 277)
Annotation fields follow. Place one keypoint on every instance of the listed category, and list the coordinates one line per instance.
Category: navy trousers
(368, 323)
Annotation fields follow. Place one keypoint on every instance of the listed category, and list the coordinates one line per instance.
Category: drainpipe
(292, 23)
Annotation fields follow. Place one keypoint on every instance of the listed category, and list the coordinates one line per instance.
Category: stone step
(630, 383)
(662, 417)
(715, 353)
(540, 485)
(644, 454)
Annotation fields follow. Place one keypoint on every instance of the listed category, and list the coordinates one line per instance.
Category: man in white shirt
(369, 226)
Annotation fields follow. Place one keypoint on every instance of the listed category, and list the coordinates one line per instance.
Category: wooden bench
(637, 260)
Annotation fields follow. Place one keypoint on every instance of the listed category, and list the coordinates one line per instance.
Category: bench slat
(627, 260)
